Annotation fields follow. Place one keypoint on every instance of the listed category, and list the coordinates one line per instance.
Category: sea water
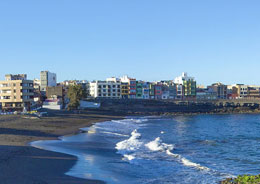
(159, 150)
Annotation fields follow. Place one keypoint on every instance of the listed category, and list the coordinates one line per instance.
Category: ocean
(201, 149)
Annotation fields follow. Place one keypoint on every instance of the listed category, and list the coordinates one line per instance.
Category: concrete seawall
(180, 106)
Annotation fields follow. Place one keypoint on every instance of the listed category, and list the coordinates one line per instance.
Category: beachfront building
(124, 90)
(242, 90)
(139, 89)
(47, 79)
(179, 91)
(146, 90)
(111, 88)
(151, 90)
(132, 86)
(206, 94)
(253, 92)
(165, 92)
(232, 92)
(220, 89)
(16, 92)
(188, 88)
(172, 89)
(158, 91)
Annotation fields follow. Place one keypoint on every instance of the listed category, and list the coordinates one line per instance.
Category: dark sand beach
(21, 163)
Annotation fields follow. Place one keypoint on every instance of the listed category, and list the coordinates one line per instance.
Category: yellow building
(125, 88)
(16, 92)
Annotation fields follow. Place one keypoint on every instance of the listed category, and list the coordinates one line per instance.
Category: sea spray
(130, 145)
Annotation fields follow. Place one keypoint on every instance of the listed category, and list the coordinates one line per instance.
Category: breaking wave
(130, 145)
(129, 148)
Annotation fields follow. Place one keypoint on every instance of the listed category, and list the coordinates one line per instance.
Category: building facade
(220, 89)
(146, 90)
(111, 88)
(47, 79)
(16, 92)
(139, 89)
(188, 88)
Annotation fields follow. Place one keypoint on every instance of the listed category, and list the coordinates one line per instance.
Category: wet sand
(23, 164)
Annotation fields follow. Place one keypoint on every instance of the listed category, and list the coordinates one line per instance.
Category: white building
(111, 88)
(47, 79)
(180, 91)
(182, 78)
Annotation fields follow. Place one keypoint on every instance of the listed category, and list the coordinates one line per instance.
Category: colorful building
(139, 89)
(188, 88)
(125, 90)
(158, 91)
(146, 90)
(131, 86)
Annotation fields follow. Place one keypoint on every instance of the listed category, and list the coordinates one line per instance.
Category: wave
(129, 148)
(126, 121)
(113, 133)
(187, 162)
(130, 145)
(157, 145)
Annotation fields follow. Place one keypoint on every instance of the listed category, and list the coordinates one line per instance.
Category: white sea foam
(113, 133)
(131, 120)
(129, 157)
(157, 145)
(187, 162)
(130, 145)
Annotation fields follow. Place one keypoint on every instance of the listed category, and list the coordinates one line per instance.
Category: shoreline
(33, 165)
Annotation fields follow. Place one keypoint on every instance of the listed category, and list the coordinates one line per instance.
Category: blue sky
(216, 40)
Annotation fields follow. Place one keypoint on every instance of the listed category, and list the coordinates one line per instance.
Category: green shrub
(245, 179)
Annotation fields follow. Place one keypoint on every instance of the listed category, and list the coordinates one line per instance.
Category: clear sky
(212, 40)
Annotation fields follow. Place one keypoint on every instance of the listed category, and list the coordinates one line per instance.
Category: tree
(75, 94)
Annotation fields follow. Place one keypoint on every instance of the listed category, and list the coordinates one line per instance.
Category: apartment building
(111, 88)
(132, 85)
(158, 91)
(220, 90)
(145, 90)
(188, 88)
(169, 89)
(47, 79)
(124, 90)
(242, 90)
(16, 92)
(139, 89)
